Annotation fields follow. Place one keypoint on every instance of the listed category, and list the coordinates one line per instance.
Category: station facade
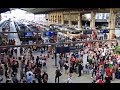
(70, 17)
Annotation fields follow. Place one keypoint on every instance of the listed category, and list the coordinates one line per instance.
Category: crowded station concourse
(52, 57)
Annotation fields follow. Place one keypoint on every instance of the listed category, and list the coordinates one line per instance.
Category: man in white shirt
(103, 53)
(69, 80)
(29, 72)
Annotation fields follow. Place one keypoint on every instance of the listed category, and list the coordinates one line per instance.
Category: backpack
(58, 73)
(66, 67)
(86, 66)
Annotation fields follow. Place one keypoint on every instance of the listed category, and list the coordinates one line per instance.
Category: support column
(80, 21)
(112, 19)
(62, 18)
(53, 18)
(0, 17)
(57, 18)
(92, 21)
(49, 18)
(69, 22)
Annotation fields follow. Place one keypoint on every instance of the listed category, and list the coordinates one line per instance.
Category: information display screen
(62, 49)
(29, 34)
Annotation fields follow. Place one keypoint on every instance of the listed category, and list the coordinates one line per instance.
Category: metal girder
(82, 10)
(41, 10)
(57, 43)
(47, 10)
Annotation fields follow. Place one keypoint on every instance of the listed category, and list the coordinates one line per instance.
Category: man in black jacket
(80, 67)
(57, 74)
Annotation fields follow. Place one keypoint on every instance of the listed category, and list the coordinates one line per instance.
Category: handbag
(59, 73)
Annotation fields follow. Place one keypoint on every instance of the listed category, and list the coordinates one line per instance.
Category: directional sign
(62, 49)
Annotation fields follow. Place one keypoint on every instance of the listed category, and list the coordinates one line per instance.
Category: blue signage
(29, 34)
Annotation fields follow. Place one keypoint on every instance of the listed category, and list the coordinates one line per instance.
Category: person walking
(80, 68)
(69, 80)
(45, 77)
(61, 64)
(102, 70)
(66, 66)
(57, 74)
(37, 73)
(94, 70)
(29, 76)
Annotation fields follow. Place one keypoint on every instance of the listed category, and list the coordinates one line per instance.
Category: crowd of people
(30, 69)
(102, 64)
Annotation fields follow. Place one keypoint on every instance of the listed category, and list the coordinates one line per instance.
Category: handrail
(56, 43)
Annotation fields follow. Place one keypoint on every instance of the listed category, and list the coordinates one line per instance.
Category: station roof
(47, 10)
(43, 10)
(84, 10)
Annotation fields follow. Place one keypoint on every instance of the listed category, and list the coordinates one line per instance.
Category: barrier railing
(55, 44)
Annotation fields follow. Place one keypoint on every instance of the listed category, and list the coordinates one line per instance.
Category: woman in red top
(72, 60)
(101, 62)
(108, 71)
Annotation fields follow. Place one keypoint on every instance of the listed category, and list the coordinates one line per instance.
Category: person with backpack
(57, 74)
(66, 65)
(45, 77)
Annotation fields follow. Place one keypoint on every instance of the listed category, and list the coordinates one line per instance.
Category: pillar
(80, 21)
(69, 22)
(53, 18)
(112, 20)
(0, 17)
(62, 18)
(92, 21)
(49, 18)
(57, 18)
